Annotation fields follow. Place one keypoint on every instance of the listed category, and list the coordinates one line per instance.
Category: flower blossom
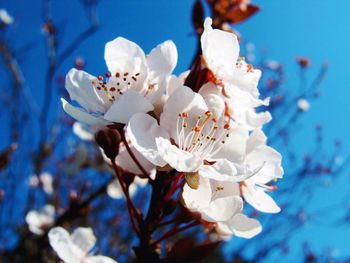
(75, 248)
(220, 203)
(236, 80)
(268, 162)
(192, 133)
(5, 17)
(39, 220)
(133, 84)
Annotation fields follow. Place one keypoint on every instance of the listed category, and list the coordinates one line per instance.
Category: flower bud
(108, 140)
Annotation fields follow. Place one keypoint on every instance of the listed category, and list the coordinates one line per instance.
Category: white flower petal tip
(207, 23)
(81, 115)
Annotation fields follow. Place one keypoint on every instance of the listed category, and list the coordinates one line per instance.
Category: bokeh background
(304, 47)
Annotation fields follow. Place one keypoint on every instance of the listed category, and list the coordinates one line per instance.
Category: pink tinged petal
(180, 160)
(125, 161)
(126, 105)
(142, 131)
(61, 242)
(182, 100)
(80, 88)
(162, 60)
(84, 238)
(121, 49)
(257, 198)
(222, 209)
(243, 226)
(197, 199)
(81, 115)
(114, 190)
(220, 50)
(256, 138)
(99, 259)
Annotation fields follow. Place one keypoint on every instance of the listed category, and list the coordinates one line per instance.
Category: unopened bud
(192, 180)
(109, 140)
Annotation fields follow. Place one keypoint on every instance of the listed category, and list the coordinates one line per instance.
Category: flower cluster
(202, 126)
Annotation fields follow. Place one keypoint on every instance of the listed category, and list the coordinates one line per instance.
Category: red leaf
(236, 15)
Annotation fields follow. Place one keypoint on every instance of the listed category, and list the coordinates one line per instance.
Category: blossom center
(204, 137)
(114, 86)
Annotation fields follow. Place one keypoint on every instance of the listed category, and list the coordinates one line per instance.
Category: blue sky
(312, 28)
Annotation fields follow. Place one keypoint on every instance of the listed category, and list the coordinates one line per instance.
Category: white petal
(61, 242)
(37, 220)
(257, 120)
(234, 148)
(256, 138)
(99, 259)
(224, 189)
(222, 170)
(114, 190)
(196, 199)
(162, 60)
(84, 238)
(81, 115)
(243, 226)
(121, 49)
(142, 131)
(178, 159)
(82, 131)
(182, 100)
(125, 161)
(220, 50)
(125, 106)
(80, 88)
(260, 200)
(222, 209)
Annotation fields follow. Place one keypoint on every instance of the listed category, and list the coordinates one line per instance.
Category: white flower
(267, 162)
(238, 80)
(132, 84)
(46, 181)
(303, 105)
(5, 17)
(40, 220)
(75, 248)
(192, 133)
(220, 203)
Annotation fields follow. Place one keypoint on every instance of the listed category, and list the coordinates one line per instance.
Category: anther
(117, 75)
(227, 126)
(100, 78)
(208, 113)
(126, 73)
(108, 74)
